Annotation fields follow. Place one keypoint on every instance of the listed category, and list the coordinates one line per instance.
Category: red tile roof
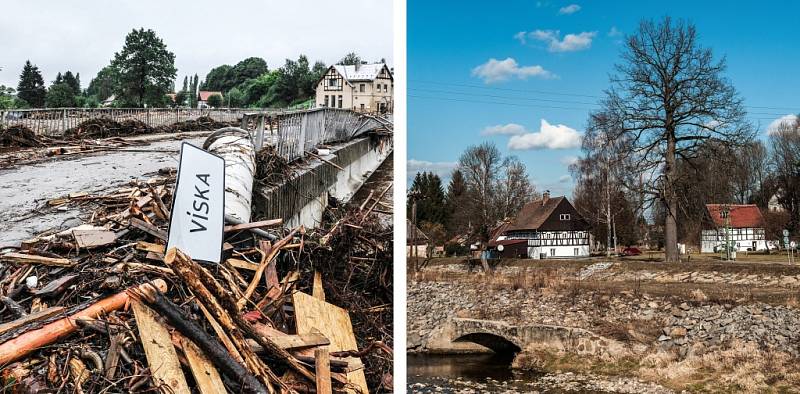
(533, 214)
(741, 216)
(204, 95)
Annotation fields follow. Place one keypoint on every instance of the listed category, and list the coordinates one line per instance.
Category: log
(30, 341)
(21, 258)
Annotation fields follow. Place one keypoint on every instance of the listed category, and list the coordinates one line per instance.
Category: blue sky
(551, 62)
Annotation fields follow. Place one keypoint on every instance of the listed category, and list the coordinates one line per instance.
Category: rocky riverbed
(681, 336)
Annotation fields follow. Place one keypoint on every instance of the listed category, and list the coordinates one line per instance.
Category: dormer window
(723, 215)
(564, 216)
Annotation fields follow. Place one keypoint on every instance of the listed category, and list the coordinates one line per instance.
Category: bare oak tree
(668, 95)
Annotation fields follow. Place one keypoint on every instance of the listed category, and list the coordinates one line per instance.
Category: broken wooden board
(149, 228)
(93, 238)
(334, 323)
(248, 226)
(243, 264)
(149, 247)
(161, 355)
(318, 291)
(287, 341)
(21, 258)
(41, 315)
(205, 374)
(57, 286)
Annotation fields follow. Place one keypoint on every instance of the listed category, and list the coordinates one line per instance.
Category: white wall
(534, 252)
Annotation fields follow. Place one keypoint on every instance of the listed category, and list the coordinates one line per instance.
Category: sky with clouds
(82, 36)
(525, 74)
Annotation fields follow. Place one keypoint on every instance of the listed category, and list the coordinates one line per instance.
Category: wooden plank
(41, 315)
(150, 247)
(243, 264)
(334, 323)
(161, 355)
(223, 337)
(94, 238)
(322, 363)
(149, 228)
(288, 341)
(318, 291)
(205, 374)
(21, 258)
(252, 225)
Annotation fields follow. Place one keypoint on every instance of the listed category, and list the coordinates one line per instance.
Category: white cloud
(504, 129)
(441, 168)
(569, 160)
(570, 42)
(549, 137)
(786, 120)
(614, 32)
(564, 179)
(502, 70)
(570, 9)
(521, 37)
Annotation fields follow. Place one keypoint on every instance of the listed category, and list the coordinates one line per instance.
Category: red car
(631, 251)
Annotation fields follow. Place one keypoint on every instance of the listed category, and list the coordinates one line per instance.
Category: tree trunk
(608, 216)
(670, 202)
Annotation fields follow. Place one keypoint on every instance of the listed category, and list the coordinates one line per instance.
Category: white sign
(198, 209)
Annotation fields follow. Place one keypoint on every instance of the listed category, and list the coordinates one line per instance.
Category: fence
(54, 122)
(298, 132)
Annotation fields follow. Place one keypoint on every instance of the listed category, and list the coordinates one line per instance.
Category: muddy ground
(27, 188)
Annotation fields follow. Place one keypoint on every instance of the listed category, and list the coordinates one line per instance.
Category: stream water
(472, 373)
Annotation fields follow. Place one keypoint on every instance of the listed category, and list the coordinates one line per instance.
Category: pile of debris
(202, 123)
(105, 127)
(18, 136)
(103, 307)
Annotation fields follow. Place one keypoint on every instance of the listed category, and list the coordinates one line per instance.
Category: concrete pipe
(235, 145)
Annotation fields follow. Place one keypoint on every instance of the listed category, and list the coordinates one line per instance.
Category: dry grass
(741, 367)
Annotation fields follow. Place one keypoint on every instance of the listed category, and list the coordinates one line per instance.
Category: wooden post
(63, 120)
(322, 363)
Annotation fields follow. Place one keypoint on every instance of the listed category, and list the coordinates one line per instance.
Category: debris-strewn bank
(696, 342)
(102, 307)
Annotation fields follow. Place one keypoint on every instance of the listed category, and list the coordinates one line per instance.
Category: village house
(360, 87)
(202, 98)
(746, 226)
(544, 229)
(416, 239)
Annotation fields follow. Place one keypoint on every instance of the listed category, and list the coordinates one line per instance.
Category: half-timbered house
(745, 225)
(360, 87)
(548, 228)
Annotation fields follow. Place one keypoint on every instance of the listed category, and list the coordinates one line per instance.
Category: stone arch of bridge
(497, 343)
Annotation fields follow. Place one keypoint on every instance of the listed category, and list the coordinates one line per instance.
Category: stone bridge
(501, 336)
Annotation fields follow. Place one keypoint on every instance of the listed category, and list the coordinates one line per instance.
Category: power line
(789, 108)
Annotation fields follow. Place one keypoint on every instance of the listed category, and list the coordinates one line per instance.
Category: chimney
(545, 197)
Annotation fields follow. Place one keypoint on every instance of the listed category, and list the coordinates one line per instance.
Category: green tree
(236, 97)
(31, 86)
(185, 83)
(7, 97)
(73, 81)
(104, 84)
(350, 59)
(60, 95)
(181, 98)
(426, 190)
(193, 92)
(218, 78)
(456, 204)
(146, 69)
(214, 101)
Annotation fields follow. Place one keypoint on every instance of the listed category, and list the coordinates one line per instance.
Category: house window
(340, 101)
(723, 214)
(362, 107)
(361, 87)
(575, 250)
(552, 252)
(332, 82)
(564, 216)
(326, 100)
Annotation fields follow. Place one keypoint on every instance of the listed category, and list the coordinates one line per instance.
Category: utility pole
(726, 210)
(414, 252)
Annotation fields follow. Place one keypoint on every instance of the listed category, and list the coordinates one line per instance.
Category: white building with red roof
(745, 228)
